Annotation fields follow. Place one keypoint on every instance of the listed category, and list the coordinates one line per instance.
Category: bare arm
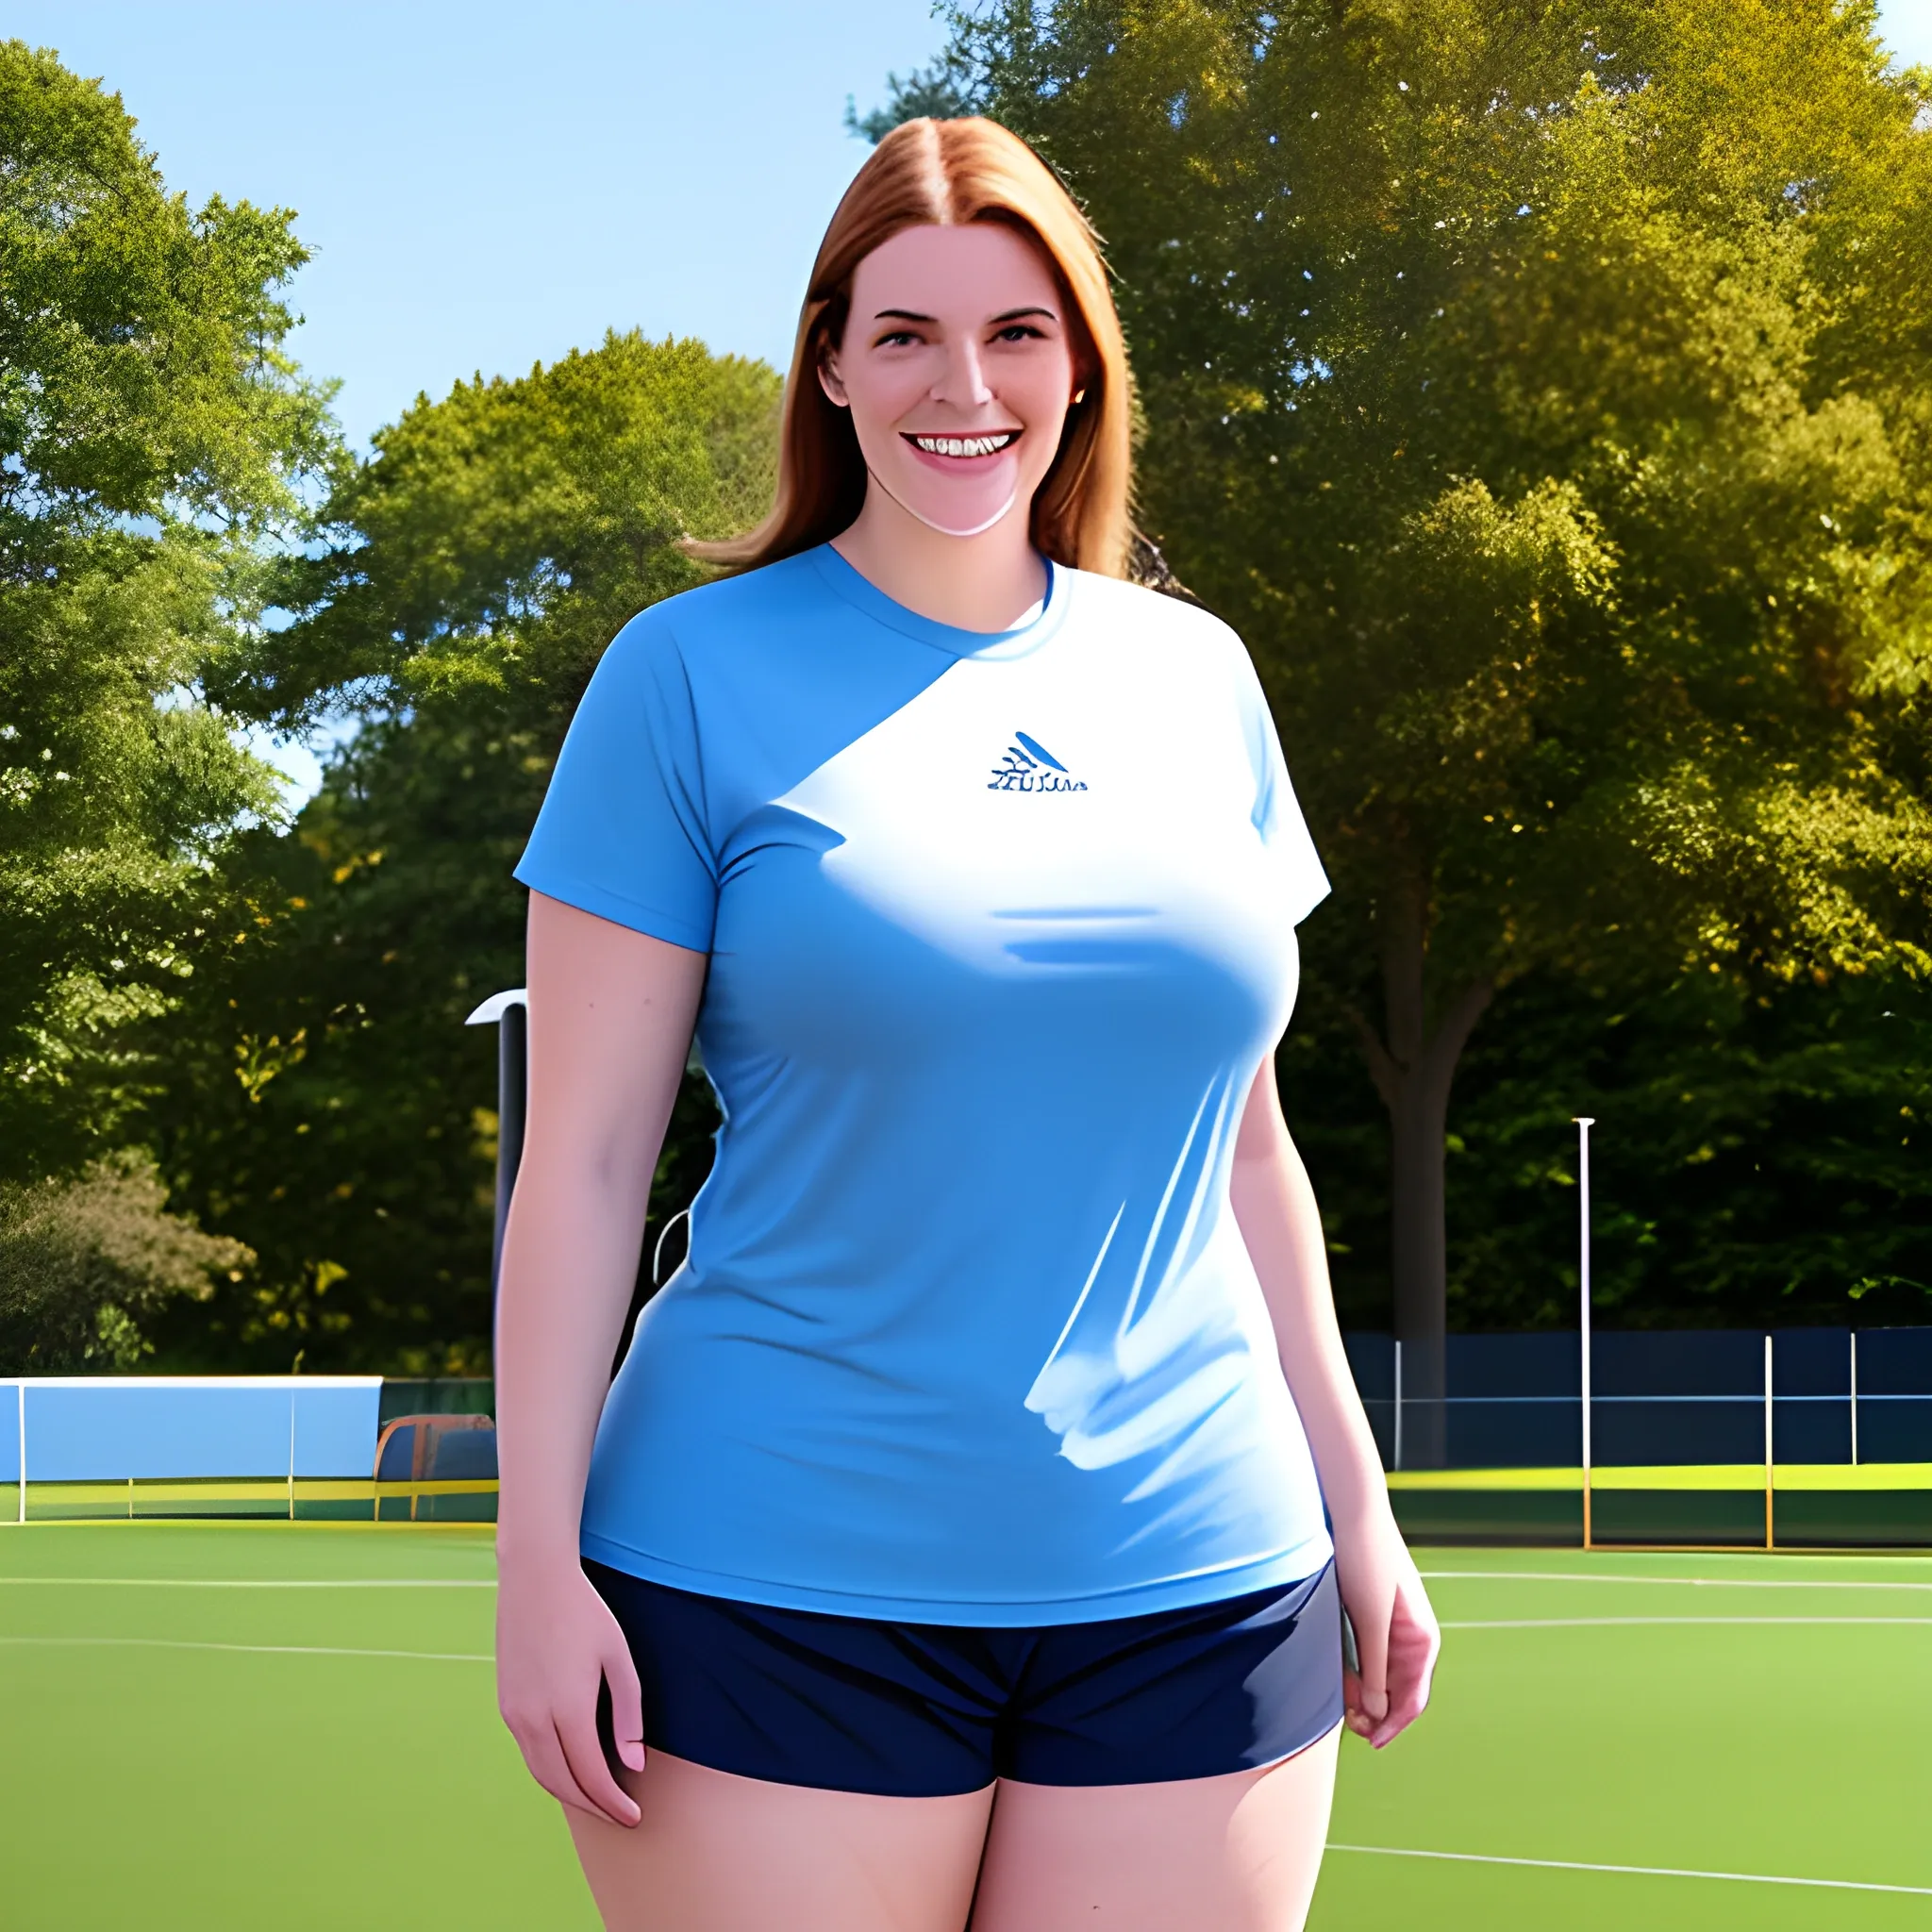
(611, 1012)
(1274, 1205)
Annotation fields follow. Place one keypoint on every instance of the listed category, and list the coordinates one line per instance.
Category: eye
(1020, 332)
(896, 339)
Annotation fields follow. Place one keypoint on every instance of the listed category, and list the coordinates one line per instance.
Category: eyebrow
(913, 315)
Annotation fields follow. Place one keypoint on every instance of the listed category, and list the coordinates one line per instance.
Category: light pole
(1584, 1124)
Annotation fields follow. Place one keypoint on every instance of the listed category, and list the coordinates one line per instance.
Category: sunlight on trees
(1542, 394)
(154, 447)
(326, 1102)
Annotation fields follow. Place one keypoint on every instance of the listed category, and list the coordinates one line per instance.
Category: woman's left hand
(1395, 1630)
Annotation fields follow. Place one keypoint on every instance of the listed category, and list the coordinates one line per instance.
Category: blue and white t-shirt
(1001, 927)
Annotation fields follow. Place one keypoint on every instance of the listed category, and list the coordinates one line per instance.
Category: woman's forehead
(971, 268)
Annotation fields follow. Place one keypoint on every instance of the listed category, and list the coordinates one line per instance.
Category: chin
(960, 512)
(952, 521)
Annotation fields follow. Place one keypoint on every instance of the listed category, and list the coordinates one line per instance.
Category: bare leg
(714, 1852)
(1236, 1854)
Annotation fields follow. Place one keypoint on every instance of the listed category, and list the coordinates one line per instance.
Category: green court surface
(253, 1725)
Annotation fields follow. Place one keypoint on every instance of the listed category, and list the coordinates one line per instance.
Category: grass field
(249, 1726)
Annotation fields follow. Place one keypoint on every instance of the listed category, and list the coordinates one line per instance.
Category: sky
(1907, 27)
(485, 186)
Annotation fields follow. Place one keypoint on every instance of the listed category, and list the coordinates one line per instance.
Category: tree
(154, 445)
(82, 1258)
(326, 1102)
(1540, 390)
(1757, 1159)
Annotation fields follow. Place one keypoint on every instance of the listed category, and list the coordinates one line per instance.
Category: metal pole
(1398, 1404)
(1769, 1526)
(513, 1095)
(509, 1013)
(1854, 1398)
(1584, 1124)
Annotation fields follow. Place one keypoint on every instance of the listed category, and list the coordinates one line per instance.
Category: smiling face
(957, 367)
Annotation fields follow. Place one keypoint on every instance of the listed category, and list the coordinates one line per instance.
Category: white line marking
(1607, 1622)
(433, 1657)
(1696, 1582)
(264, 1583)
(1639, 1871)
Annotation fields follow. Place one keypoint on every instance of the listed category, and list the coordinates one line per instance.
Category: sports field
(292, 1726)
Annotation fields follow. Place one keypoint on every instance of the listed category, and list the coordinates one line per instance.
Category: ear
(830, 382)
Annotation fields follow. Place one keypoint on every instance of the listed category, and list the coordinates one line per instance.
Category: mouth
(965, 448)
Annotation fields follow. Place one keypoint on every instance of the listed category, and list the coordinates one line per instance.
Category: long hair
(947, 173)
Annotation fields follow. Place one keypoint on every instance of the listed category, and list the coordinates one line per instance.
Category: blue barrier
(146, 1428)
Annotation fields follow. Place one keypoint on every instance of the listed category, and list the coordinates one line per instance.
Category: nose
(962, 379)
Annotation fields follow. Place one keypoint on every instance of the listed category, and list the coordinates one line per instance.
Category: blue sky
(486, 186)
(1909, 27)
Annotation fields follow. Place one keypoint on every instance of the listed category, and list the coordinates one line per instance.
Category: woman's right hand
(557, 1646)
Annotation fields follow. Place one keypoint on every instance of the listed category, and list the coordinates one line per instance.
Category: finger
(1404, 1708)
(544, 1755)
(1372, 1646)
(627, 1707)
(583, 1751)
(1412, 1653)
(1407, 1702)
(1353, 1715)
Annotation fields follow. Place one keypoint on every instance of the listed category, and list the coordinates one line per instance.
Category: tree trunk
(1413, 1066)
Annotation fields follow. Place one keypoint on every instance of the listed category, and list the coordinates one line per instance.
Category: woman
(950, 1543)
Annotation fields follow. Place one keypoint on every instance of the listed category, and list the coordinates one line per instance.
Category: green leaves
(83, 1263)
(324, 1099)
(1508, 380)
(153, 445)
(1541, 391)
(498, 539)
(140, 341)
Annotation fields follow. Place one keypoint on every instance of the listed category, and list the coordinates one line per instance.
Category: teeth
(965, 446)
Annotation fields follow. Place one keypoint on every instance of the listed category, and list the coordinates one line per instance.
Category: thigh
(718, 1852)
(1239, 1853)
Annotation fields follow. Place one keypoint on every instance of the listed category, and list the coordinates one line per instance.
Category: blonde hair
(946, 173)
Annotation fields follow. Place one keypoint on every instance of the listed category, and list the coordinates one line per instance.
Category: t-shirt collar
(864, 595)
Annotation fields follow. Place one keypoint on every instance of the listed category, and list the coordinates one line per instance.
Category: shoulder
(1183, 634)
(742, 604)
(711, 629)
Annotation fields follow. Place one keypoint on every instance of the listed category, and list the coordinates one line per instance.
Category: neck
(988, 582)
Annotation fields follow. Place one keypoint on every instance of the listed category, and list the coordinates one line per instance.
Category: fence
(1808, 1436)
(1811, 1436)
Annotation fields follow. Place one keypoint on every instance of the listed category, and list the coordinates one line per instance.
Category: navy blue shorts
(928, 1710)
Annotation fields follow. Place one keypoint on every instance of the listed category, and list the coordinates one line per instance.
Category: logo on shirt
(1026, 765)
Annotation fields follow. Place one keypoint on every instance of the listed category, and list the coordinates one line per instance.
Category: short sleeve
(1277, 813)
(622, 832)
